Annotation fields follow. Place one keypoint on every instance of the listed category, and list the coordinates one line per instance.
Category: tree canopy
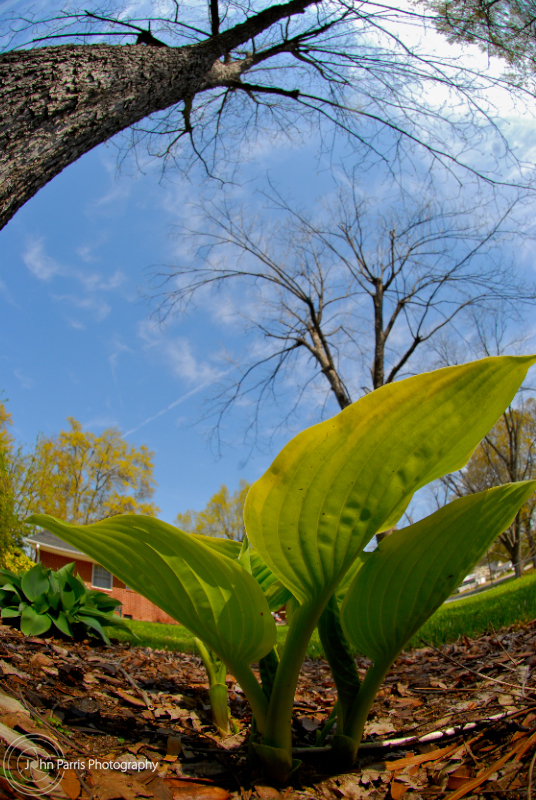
(223, 81)
(223, 516)
(11, 526)
(503, 28)
(82, 477)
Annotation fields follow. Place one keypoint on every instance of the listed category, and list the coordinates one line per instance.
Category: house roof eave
(75, 555)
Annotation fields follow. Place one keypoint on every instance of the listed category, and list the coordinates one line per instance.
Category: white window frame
(96, 586)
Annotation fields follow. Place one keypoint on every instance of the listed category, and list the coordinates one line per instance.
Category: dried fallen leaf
(460, 777)
(20, 720)
(380, 728)
(484, 774)
(401, 702)
(310, 724)
(70, 784)
(116, 786)
(21, 742)
(267, 792)
(134, 748)
(40, 660)
(129, 698)
(9, 705)
(173, 745)
(7, 669)
(233, 742)
(398, 790)
(188, 790)
(422, 758)
(505, 699)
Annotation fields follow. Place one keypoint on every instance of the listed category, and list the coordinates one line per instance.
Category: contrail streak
(172, 405)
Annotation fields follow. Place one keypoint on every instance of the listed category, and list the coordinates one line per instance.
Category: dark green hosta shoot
(42, 600)
(308, 520)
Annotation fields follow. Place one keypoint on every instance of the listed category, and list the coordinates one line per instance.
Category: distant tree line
(80, 477)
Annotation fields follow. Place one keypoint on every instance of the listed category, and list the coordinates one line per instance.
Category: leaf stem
(278, 733)
(253, 691)
(340, 659)
(345, 746)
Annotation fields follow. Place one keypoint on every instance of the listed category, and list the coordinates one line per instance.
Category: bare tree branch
(353, 290)
(182, 92)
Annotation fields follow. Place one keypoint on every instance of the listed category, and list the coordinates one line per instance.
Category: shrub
(41, 599)
(15, 560)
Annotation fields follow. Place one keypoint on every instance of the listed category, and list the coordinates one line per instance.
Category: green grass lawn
(510, 602)
(513, 601)
(176, 637)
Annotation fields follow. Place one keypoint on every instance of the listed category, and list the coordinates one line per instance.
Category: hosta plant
(41, 600)
(308, 520)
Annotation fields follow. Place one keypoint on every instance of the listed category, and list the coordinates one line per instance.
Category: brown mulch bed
(468, 710)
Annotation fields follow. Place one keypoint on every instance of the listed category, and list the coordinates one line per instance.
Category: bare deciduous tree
(358, 289)
(76, 79)
(506, 455)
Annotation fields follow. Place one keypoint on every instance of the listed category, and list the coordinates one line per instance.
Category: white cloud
(95, 282)
(178, 354)
(85, 253)
(184, 363)
(42, 266)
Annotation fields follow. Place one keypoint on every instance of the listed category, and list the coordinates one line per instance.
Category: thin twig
(57, 734)
(455, 730)
(140, 691)
(531, 770)
(503, 648)
(83, 784)
(476, 672)
(407, 740)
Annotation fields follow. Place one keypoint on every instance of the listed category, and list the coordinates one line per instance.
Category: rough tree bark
(57, 103)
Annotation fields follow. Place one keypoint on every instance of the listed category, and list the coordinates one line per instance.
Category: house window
(101, 578)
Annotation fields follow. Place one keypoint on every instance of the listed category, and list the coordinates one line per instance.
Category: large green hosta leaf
(35, 582)
(415, 569)
(337, 483)
(209, 593)
(276, 594)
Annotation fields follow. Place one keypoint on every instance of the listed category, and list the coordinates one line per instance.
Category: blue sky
(76, 337)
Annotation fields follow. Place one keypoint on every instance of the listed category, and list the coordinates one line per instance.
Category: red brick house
(53, 552)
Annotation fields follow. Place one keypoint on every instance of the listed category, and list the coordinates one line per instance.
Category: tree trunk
(378, 377)
(511, 541)
(60, 102)
(57, 103)
(517, 528)
(531, 545)
(320, 350)
(518, 566)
